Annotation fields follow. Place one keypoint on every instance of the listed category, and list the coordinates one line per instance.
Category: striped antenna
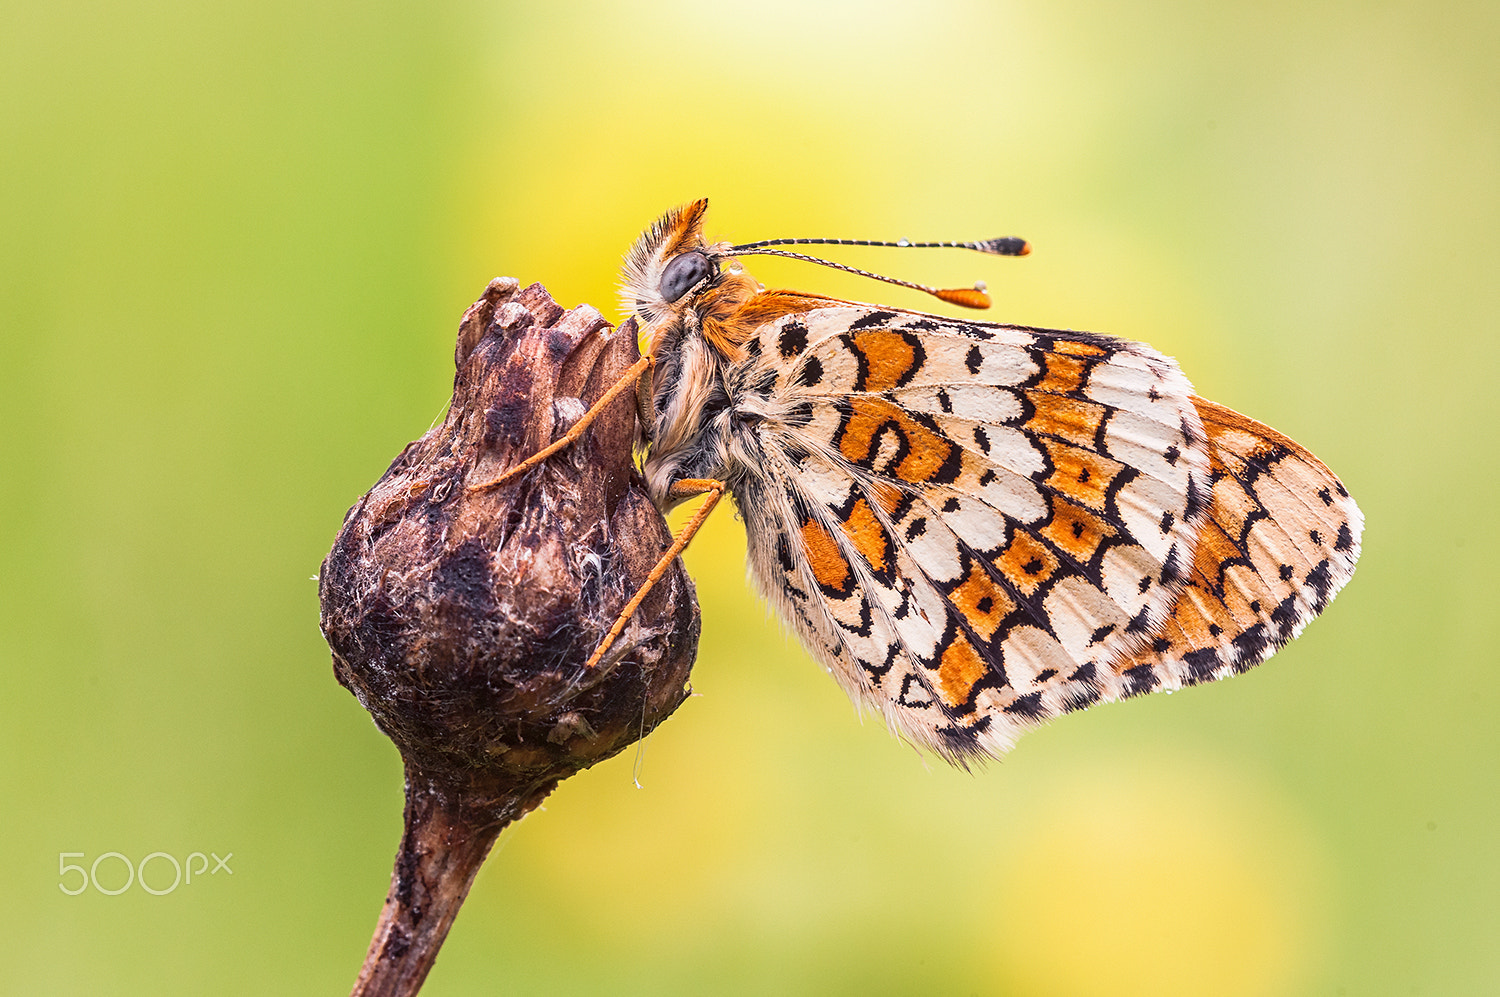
(967, 297)
(1003, 246)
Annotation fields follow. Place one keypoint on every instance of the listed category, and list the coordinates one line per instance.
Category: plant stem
(448, 833)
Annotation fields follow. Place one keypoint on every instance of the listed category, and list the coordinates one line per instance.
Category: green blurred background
(237, 239)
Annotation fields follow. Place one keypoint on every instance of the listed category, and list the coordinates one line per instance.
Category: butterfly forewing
(960, 481)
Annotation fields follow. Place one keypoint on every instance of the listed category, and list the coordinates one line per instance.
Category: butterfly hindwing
(1281, 539)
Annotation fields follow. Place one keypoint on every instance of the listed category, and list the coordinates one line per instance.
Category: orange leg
(627, 381)
(680, 489)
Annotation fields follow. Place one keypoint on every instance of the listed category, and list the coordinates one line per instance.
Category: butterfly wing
(972, 526)
(1281, 539)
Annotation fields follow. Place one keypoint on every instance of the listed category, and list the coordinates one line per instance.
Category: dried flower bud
(461, 616)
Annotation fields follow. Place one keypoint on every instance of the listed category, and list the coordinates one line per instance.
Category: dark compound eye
(682, 274)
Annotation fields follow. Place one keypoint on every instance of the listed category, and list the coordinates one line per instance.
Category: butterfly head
(672, 272)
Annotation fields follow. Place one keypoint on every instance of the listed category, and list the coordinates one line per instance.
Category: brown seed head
(461, 617)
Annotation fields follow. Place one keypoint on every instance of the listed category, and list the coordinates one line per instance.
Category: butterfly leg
(628, 381)
(686, 488)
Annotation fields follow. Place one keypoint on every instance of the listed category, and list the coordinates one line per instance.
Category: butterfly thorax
(692, 413)
(691, 301)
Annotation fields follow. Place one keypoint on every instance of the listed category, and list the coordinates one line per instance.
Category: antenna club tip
(1006, 246)
(966, 297)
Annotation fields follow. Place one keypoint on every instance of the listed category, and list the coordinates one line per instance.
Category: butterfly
(974, 527)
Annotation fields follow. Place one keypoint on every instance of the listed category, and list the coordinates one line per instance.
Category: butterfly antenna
(968, 297)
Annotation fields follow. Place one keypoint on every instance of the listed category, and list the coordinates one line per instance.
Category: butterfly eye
(683, 274)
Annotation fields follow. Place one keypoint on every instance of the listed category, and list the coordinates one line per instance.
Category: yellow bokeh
(1159, 877)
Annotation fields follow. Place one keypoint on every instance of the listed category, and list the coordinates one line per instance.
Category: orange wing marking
(891, 358)
(983, 603)
(1082, 475)
(929, 456)
(869, 537)
(829, 568)
(1075, 531)
(959, 668)
(1026, 563)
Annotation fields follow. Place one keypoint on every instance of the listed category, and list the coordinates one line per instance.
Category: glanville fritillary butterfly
(974, 527)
